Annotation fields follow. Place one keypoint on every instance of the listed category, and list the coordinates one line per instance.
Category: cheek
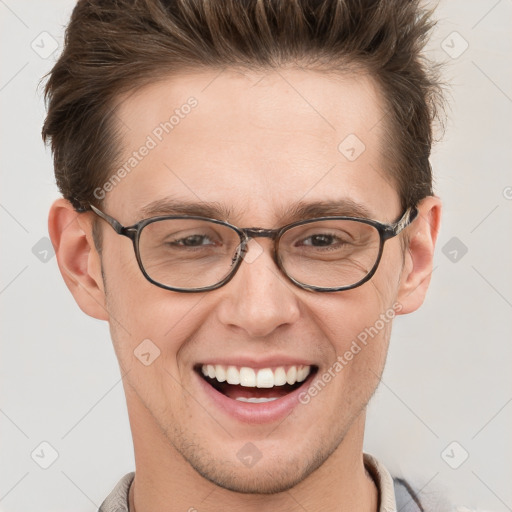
(167, 322)
(143, 315)
(148, 333)
(358, 326)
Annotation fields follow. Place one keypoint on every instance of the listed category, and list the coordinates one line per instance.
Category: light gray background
(448, 375)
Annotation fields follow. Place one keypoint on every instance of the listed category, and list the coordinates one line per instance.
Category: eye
(195, 240)
(322, 240)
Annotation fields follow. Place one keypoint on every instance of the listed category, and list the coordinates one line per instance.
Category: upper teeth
(263, 378)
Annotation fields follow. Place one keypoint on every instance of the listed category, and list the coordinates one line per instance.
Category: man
(247, 200)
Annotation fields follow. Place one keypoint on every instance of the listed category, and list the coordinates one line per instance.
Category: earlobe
(419, 255)
(78, 260)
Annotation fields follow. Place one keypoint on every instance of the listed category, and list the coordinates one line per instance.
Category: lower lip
(256, 413)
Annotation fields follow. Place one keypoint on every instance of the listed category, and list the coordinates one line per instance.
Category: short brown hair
(113, 47)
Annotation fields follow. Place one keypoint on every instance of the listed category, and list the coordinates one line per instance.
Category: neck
(166, 482)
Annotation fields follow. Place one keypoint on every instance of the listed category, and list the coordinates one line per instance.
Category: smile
(255, 385)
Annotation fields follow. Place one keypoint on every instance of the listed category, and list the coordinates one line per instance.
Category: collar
(383, 481)
(117, 500)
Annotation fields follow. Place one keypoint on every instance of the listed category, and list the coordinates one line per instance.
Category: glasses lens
(330, 254)
(187, 253)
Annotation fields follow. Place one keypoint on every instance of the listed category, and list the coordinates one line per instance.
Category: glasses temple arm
(409, 215)
(113, 222)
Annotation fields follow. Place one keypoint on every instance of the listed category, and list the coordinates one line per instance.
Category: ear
(419, 255)
(77, 257)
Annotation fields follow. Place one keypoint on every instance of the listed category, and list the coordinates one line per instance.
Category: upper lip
(257, 363)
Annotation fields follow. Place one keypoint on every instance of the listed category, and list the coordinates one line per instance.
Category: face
(254, 144)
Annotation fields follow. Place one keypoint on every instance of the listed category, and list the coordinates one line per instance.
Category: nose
(259, 298)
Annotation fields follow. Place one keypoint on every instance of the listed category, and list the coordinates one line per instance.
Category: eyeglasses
(196, 254)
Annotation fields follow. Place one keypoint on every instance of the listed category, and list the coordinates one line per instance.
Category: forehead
(254, 142)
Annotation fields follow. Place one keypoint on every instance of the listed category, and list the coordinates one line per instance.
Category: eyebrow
(298, 211)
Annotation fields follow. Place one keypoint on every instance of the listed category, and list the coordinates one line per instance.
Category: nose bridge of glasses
(251, 233)
(260, 232)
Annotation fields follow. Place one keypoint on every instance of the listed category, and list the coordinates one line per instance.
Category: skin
(255, 145)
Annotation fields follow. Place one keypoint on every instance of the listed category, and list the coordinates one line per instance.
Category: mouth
(256, 385)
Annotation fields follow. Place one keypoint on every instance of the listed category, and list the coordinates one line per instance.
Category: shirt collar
(383, 481)
(117, 500)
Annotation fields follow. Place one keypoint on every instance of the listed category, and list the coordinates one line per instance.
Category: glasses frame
(386, 232)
